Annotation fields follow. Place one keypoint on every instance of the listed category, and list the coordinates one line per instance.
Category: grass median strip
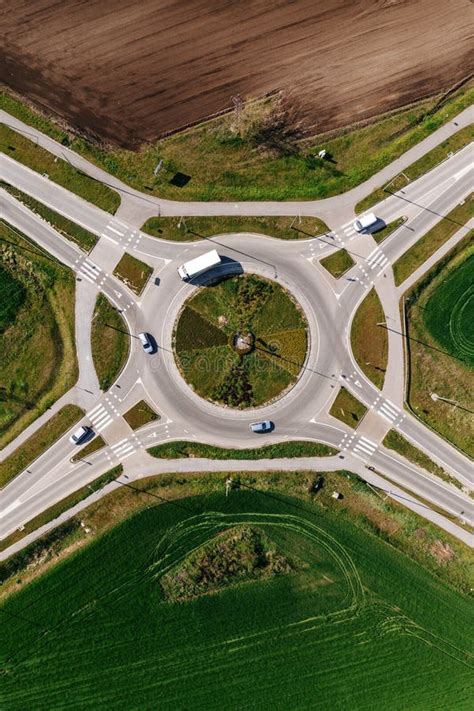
(133, 273)
(195, 228)
(183, 450)
(369, 341)
(347, 408)
(382, 234)
(82, 237)
(64, 505)
(431, 159)
(59, 171)
(39, 442)
(434, 239)
(93, 446)
(110, 342)
(338, 263)
(394, 440)
(140, 414)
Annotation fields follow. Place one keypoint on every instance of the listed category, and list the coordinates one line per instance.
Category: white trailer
(199, 265)
(366, 222)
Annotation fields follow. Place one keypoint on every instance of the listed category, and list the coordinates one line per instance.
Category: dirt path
(130, 71)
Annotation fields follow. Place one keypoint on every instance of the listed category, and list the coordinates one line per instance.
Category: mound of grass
(434, 239)
(224, 166)
(394, 440)
(133, 272)
(37, 336)
(72, 231)
(338, 263)
(420, 167)
(410, 622)
(347, 409)
(194, 228)
(110, 342)
(237, 555)
(39, 442)
(212, 319)
(59, 171)
(182, 450)
(449, 312)
(369, 342)
(439, 359)
(140, 414)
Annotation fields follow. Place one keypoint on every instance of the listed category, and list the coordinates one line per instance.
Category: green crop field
(356, 625)
(449, 313)
(251, 306)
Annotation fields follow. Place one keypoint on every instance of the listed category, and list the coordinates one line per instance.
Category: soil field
(130, 72)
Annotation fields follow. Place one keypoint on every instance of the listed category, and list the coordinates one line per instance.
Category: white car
(259, 427)
(147, 342)
(366, 222)
(81, 434)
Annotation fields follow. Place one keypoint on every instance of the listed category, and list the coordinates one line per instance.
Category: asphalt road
(329, 305)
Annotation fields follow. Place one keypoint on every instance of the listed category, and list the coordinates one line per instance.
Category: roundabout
(241, 342)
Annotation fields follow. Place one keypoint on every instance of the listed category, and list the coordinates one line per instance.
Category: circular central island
(241, 342)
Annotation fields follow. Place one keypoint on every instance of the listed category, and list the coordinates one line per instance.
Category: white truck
(366, 222)
(199, 265)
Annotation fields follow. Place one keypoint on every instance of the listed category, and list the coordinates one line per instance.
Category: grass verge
(434, 239)
(338, 263)
(394, 440)
(38, 360)
(110, 342)
(133, 272)
(432, 366)
(431, 159)
(64, 505)
(217, 164)
(347, 408)
(59, 171)
(369, 342)
(77, 234)
(39, 442)
(140, 414)
(195, 228)
(183, 450)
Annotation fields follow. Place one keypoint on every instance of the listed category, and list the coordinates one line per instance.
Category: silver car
(260, 427)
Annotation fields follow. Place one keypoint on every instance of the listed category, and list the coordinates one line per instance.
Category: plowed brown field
(130, 70)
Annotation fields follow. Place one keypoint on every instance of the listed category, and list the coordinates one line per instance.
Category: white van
(81, 434)
(366, 222)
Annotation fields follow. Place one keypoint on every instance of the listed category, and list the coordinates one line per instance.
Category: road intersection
(329, 305)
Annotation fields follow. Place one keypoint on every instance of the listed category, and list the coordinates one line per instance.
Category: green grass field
(37, 332)
(60, 171)
(440, 319)
(182, 449)
(194, 228)
(357, 625)
(209, 321)
(110, 342)
(223, 166)
(369, 342)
